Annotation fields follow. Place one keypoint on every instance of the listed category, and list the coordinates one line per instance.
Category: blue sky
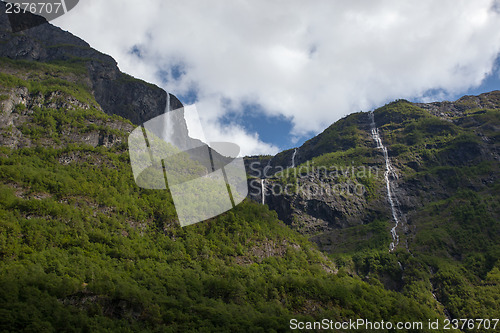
(490, 83)
(268, 74)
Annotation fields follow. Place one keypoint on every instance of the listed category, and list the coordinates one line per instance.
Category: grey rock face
(17, 112)
(116, 92)
(317, 203)
(327, 216)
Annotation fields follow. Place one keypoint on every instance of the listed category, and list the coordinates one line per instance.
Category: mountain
(116, 92)
(430, 145)
(83, 248)
(435, 171)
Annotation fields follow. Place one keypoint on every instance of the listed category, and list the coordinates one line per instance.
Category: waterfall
(263, 190)
(293, 158)
(168, 128)
(389, 175)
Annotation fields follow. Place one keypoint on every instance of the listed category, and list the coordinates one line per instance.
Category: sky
(270, 74)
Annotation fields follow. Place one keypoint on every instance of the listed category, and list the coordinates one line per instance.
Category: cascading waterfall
(389, 175)
(168, 129)
(293, 158)
(263, 181)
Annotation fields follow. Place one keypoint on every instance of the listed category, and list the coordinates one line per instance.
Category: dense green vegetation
(340, 136)
(54, 69)
(450, 245)
(84, 249)
(59, 80)
(454, 237)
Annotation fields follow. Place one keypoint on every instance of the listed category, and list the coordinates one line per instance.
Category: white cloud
(249, 144)
(212, 131)
(312, 62)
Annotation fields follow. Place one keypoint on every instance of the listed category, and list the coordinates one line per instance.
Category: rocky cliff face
(338, 187)
(116, 92)
(20, 125)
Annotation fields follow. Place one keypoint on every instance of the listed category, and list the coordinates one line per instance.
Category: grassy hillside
(83, 248)
(447, 161)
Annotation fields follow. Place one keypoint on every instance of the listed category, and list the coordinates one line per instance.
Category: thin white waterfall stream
(293, 158)
(389, 175)
(168, 128)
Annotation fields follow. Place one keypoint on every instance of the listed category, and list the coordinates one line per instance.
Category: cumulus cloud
(309, 61)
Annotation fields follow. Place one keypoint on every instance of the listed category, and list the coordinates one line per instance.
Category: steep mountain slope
(116, 92)
(444, 183)
(83, 248)
(418, 142)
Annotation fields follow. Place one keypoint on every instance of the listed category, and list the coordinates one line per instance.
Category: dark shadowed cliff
(116, 92)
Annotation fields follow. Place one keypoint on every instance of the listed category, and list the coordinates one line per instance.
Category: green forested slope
(82, 248)
(446, 156)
